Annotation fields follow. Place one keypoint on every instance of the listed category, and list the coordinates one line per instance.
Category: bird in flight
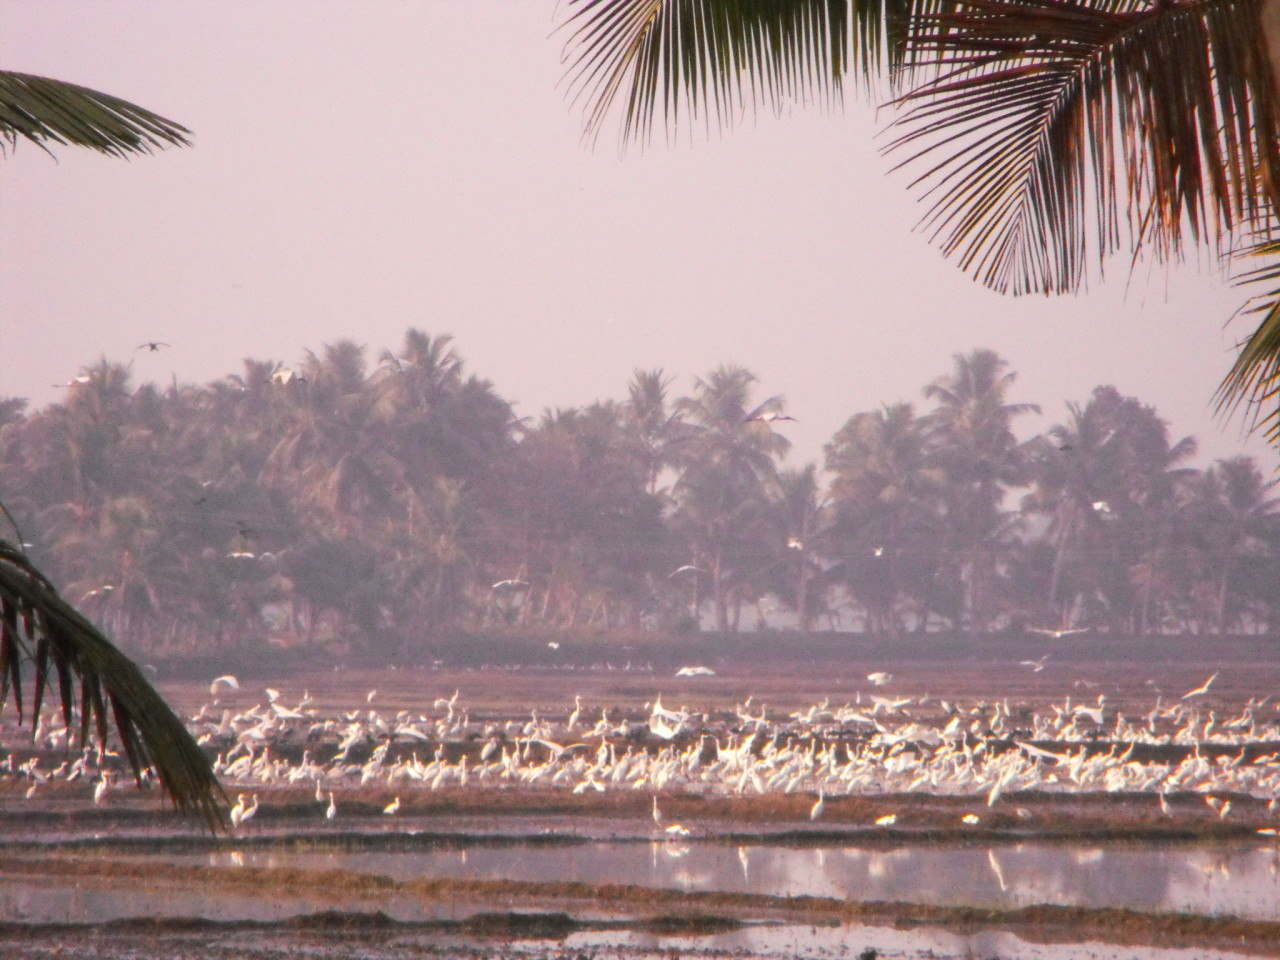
(698, 671)
(226, 680)
(152, 345)
(770, 416)
(79, 381)
(687, 568)
(1058, 634)
(1035, 665)
(283, 376)
(1203, 688)
(501, 584)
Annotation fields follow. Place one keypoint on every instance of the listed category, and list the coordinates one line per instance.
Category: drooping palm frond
(1254, 379)
(41, 632)
(43, 111)
(1043, 124)
(710, 58)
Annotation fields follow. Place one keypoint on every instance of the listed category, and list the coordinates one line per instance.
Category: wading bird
(816, 810)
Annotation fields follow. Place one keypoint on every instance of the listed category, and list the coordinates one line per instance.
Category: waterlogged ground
(484, 870)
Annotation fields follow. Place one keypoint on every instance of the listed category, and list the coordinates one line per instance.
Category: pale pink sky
(360, 168)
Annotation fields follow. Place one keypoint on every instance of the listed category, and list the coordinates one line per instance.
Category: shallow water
(849, 940)
(1240, 880)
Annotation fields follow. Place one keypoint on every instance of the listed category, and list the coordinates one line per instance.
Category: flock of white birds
(875, 745)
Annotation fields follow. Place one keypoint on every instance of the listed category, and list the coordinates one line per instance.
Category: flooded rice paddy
(1126, 825)
(1227, 879)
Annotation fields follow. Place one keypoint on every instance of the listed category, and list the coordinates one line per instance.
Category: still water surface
(1239, 879)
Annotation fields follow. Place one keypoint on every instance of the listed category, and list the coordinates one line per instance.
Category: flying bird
(1202, 689)
(227, 680)
(695, 672)
(687, 568)
(1035, 665)
(1058, 634)
(503, 584)
(152, 345)
(770, 416)
(79, 381)
(879, 678)
(285, 376)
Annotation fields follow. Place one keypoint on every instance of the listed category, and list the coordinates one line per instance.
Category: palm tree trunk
(718, 594)
(1221, 612)
(802, 598)
(1060, 556)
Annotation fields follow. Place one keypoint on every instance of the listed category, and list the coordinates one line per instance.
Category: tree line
(376, 506)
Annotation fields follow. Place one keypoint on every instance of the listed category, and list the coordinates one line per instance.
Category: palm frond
(1041, 125)
(714, 58)
(1254, 379)
(40, 631)
(43, 110)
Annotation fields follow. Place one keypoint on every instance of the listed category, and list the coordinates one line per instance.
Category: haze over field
(362, 168)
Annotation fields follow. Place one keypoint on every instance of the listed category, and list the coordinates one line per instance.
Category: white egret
(1202, 689)
(819, 806)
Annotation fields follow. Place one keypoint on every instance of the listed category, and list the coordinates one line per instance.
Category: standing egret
(816, 810)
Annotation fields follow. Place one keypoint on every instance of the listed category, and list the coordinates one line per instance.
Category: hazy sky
(360, 168)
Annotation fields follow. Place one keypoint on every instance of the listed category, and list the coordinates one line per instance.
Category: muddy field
(66, 860)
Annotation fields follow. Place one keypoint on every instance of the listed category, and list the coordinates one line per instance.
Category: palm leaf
(711, 58)
(1042, 125)
(1254, 379)
(40, 630)
(43, 110)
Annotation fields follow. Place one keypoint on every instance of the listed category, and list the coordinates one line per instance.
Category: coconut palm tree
(973, 442)
(1073, 467)
(654, 428)
(886, 491)
(803, 517)
(1229, 516)
(1044, 135)
(728, 472)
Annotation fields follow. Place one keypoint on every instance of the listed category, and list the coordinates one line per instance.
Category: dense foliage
(375, 508)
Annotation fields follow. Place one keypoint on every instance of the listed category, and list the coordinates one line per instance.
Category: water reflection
(794, 941)
(1243, 880)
